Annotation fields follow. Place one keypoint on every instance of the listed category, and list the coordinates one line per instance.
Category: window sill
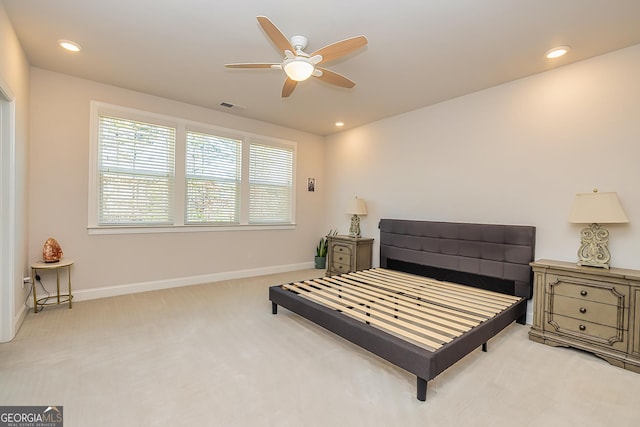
(95, 230)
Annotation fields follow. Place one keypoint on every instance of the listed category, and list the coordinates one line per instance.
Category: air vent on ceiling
(230, 106)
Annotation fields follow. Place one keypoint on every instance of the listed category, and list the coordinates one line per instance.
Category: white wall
(14, 77)
(59, 191)
(516, 153)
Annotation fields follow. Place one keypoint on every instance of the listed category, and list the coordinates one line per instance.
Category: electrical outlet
(26, 280)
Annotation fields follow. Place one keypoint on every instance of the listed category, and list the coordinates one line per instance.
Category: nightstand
(346, 254)
(589, 308)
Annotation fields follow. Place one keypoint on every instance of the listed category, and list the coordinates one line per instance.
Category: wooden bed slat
(465, 294)
(438, 310)
(381, 305)
(398, 305)
(426, 295)
(508, 299)
(399, 326)
(480, 305)
(372, 309)
(431, 345)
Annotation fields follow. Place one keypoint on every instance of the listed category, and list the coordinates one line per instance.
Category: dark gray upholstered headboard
(501, 252)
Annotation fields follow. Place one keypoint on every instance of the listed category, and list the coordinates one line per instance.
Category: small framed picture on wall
(311, 184)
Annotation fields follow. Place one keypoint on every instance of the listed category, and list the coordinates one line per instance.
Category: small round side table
(57, 266)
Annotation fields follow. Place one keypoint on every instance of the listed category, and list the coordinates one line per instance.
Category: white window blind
(213, 179)
(270, 184)
(136, 172)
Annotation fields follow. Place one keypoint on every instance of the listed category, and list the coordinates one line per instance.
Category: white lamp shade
(598, 208)
(298, 69)
(357, 207)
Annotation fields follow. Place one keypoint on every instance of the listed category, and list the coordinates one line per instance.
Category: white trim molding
(9, 321)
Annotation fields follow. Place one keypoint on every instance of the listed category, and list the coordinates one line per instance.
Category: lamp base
(354, 229)
(594, 249)
(593, 264)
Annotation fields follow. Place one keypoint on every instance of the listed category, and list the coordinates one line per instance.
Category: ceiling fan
(298, 65)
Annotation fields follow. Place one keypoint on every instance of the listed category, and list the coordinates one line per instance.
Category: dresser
(346, 254)
(588, 308)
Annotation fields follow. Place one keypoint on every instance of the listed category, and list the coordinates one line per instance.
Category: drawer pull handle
(583, 310)
(582, 327)
(583, 293)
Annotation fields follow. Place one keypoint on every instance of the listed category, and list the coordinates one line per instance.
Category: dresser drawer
(606, 293)
(341, 254)
(589, 331)
(590, 311)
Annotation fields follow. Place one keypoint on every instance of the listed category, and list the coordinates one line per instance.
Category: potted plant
(321, 249)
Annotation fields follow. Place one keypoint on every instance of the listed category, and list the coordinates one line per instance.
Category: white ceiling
(420, 52)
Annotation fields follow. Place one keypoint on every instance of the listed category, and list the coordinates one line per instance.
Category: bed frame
(489, 257)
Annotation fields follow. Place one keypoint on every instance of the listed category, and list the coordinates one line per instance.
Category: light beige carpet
(214, 355)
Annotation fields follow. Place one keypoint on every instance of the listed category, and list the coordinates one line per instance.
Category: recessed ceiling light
(69, 45)
(557, 52)
(339, 124)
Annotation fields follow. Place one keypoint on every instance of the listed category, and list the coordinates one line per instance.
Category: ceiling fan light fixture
(298, 65)
(298, 68)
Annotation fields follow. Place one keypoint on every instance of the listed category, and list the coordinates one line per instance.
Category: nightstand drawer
(339, 268)
(595, 312)
(605, 293)
(341, 255)
(592, 332)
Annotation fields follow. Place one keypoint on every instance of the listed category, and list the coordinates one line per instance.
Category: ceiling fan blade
(335, 78)
(249, 65)
(289, 86)
(276, 36)
(341, 48)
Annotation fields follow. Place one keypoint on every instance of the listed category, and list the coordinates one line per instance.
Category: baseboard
(132, 288)
(20, 316)
(529, 318)
(16, 324)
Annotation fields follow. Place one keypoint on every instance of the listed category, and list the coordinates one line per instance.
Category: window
(136, 167)
(270, 184)
(213, 171)
(153, 173)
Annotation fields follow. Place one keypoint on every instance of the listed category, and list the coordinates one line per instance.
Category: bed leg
(274, 308)
(422, 389)
(484, 347)
(522, 320)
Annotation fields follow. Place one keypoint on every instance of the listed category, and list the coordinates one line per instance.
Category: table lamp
(356, 207)
(595, 209)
